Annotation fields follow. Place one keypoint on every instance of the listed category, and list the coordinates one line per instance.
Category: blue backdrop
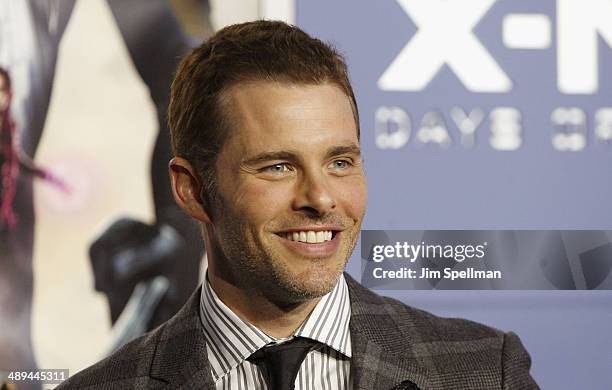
(484, 114)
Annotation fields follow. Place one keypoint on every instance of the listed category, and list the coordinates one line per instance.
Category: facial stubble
(255, 265)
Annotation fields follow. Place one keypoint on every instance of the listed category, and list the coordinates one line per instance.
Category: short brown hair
(254, 51)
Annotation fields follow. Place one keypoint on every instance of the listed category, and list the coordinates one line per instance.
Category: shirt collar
(231, 339)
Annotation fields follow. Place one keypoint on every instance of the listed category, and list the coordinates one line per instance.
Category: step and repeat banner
(480, 114)
(486, 127)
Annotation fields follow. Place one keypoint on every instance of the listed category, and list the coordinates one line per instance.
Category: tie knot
(281, 362)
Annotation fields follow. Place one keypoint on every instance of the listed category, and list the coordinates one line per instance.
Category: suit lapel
(180, 357)
(382, 355)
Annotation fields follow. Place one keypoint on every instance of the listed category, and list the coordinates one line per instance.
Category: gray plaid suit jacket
(394, 347)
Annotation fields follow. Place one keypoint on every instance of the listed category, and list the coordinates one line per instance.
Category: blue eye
(340, 164)
(277, 168)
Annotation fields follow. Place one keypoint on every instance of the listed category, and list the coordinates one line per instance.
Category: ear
(186, 189)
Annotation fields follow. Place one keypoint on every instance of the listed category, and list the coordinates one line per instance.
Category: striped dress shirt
(231, 340)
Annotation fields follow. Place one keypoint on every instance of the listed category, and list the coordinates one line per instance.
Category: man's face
(291, 190)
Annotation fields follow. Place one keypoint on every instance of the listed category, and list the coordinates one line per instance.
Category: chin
(309, 284)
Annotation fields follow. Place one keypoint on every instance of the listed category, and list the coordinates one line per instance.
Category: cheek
(353, 194)
(260, 202)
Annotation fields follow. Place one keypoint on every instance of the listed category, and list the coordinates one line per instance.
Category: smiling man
(289, 202)
(265, 131)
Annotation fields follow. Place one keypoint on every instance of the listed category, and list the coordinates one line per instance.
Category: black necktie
(282, 362)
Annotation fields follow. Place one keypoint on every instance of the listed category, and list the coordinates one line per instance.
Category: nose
(314, 195)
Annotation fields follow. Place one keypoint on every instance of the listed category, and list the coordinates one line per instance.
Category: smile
(309, 236)
(310, 243)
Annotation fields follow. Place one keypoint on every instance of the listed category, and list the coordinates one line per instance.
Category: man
(265, 131)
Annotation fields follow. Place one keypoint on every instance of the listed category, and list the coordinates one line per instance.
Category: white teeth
(321, 236)
(309, 236)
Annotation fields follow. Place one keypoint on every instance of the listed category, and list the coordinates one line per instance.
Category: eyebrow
(292, 156)
(344, 149)
(269, 156)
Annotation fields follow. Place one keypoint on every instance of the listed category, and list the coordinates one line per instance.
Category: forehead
(273, 115)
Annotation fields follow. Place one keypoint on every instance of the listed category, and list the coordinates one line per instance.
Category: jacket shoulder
(173, 353)
(419, 325)
(128, 367)
(452, 352)
(435, 328)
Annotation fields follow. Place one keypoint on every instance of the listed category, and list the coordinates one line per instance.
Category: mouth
(309, 236)
(309, 243)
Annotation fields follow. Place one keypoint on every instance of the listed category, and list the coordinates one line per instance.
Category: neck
(276, 320)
